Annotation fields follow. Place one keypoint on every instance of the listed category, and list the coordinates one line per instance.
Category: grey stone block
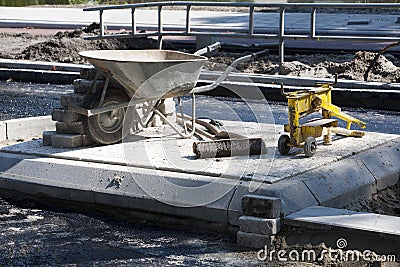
(293, 194)
(262, 226)
(47, 137)
(251, 240)
(167, 106)
(70, 127)
(3, 131)
(73, 99)
(383, 163)
(356, 182)
(82, 86)
(67, 140)
(88, 73)
(28, 127)
(63, 115)
(261, 206)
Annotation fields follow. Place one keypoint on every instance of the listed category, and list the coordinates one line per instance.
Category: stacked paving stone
(70, 132)
(260, 222)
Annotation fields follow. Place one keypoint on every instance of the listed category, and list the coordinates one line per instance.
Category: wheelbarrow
(143, 76)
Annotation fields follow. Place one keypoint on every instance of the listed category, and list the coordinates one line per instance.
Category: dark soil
(384, 202)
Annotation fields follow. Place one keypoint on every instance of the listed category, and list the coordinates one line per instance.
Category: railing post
(133, 20)
(188, 7)
(159, 43)
(312, 22)
(101, 23)
(251, 20)
(281, 38)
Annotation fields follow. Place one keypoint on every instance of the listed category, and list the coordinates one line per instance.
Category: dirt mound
(384, 202)
(65, 46)
(383, 70)
(347, 66)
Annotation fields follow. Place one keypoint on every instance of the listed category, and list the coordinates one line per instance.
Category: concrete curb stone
(28, 127)
(262, 226)
(251, 240)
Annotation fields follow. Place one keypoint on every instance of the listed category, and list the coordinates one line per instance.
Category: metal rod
(103, 94)
(251, 20)
(133, 20)
(247, 4)
(101, 23)
(312, 22)
(182, 115)
(281, 38)
(188, 7)
(159, 41)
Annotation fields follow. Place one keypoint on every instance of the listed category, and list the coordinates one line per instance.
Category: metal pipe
(281, 39)
(208, 49)
(230, 68)
(188, 7)
(159, 41)
(133, 20)
(251, 20)
(312, 22)
(101, 23)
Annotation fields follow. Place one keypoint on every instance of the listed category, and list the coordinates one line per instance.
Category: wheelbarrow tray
(149, 74)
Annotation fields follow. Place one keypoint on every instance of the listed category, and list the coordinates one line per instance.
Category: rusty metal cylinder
(228, 148)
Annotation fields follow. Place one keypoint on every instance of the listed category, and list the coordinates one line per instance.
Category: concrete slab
(329, 218)
(345, 229)
(92, 182)
(28, 127)
(139, 174)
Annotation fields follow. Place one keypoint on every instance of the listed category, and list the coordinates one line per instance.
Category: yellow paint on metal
(303, 103)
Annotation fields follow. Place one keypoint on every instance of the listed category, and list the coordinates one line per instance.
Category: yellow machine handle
(337, 112)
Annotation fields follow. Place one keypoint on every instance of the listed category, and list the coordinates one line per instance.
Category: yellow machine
(303, 103)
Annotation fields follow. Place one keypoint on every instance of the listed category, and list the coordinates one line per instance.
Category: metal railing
(246, 32)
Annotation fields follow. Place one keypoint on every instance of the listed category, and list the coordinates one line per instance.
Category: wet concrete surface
(33, 234)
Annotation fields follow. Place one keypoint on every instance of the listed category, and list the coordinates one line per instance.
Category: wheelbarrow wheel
(310, 146)
(106, 128)
(284, 144)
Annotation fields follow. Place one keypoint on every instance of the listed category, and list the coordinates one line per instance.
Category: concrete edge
(25, 127)
(39, 76)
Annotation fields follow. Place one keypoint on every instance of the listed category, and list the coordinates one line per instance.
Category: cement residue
(63, 46)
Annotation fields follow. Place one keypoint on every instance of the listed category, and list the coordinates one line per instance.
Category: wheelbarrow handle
(208, 49)
(228, 70)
